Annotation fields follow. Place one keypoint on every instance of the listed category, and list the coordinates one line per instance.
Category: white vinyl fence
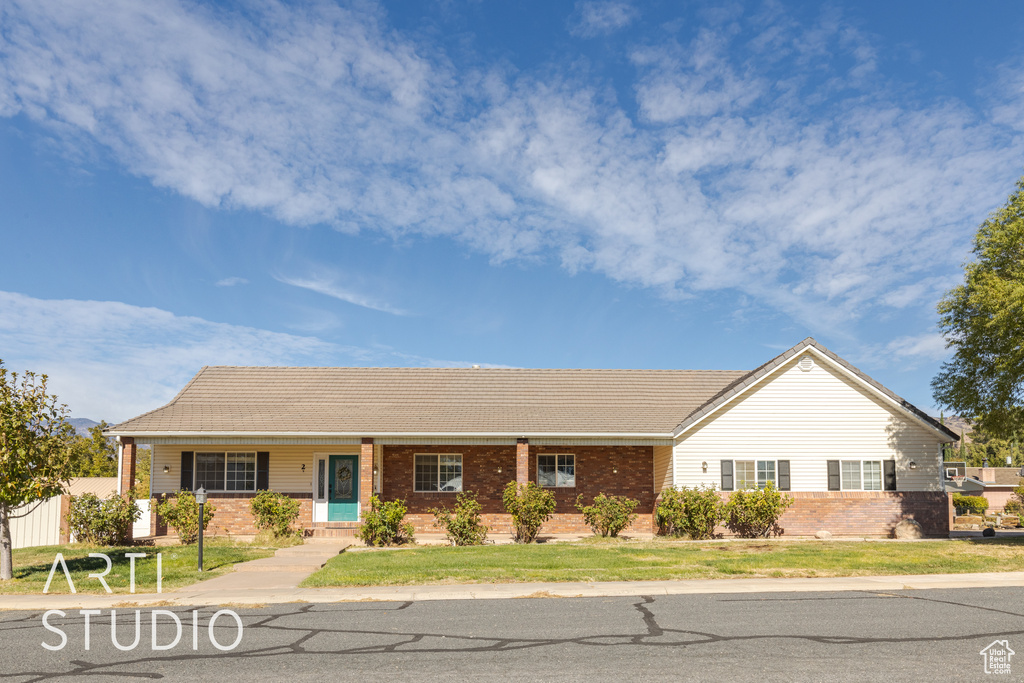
(42, 525)
(141, 527)
(39, 527)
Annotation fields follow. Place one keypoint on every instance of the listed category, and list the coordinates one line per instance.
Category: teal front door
(343, 489)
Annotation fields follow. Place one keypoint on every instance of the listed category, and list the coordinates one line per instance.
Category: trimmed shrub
(383, 525)
(1015, 506)
(530, 506)
(182, 514)
(102, 522)
(691, 512)
(274, 512)
(976, 505)
(462, 523)
(608, 515)
(755, 513)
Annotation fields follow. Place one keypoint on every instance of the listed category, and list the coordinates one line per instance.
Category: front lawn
(32, 567)
(621, 560)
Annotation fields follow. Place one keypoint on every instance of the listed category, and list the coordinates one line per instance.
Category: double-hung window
(861, 475)
(556, 470)
(754, 473)
(438, 472)
(226, 471)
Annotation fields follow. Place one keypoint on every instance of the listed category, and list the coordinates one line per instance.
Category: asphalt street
(912, 635)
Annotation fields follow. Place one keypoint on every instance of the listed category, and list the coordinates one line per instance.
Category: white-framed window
(556, 470)
(754, 473)
(226, 471)
(861, 475)
(437, 472)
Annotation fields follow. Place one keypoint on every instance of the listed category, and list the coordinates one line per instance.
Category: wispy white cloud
(110, 360)
(232, 282)
(928, 347)
(328, 286)
(601, 17)
(768, 157)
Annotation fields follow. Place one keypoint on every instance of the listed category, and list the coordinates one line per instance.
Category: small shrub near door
(691, 512)
(970, 504)
(462, 523)
(608, 515)
(530, 506)
(756, 513)
(383, 525)
(274, 512)
(102, 522)
(182, 514)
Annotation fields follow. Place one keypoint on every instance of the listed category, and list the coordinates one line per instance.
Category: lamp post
(201, 499)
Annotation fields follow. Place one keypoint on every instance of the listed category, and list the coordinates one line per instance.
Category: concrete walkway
(238, 589)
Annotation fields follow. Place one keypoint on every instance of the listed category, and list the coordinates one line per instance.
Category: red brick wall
(864, 513)
(232, 515)
(480, 464)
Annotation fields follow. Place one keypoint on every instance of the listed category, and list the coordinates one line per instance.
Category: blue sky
(548, 184)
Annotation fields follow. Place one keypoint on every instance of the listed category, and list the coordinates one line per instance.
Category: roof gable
(744, 384)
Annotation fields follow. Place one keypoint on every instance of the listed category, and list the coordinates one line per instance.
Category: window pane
(241, 472)
(745, 474)
(851, 474)
(451, 472)
(426, 473)
(320, 478)
(210, 471)
(873, 475)
(546, 470)
(566, 475)
(765, 472)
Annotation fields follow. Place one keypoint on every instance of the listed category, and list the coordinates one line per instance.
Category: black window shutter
(186, 470)
(783, 470)
(889, 467)
(833, 475)
(263, 471)
(727, 475)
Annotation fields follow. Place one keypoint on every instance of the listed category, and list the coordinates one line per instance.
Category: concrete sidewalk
(243, 592)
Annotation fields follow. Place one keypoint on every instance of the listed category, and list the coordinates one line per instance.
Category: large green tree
(36, 451)
(983, 322)
(96, 454)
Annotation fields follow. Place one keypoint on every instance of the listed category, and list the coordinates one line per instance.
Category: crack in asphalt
(654, 635)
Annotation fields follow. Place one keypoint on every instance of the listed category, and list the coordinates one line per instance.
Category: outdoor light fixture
(499, 470)
(167, 468)
(375, 469)
(913, 465)
(201, 499)
(704, 466)
(615, 470)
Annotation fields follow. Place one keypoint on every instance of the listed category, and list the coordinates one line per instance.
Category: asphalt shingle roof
(223, 399)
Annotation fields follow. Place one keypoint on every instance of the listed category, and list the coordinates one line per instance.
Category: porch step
(333, 530)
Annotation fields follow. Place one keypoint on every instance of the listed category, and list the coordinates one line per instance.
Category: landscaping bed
(624, 560)
(32, 567)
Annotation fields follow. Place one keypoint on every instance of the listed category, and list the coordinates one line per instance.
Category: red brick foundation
(232, 515)
(866, 513)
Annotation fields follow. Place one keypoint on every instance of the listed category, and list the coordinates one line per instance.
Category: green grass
(620, 560)
(32, 567)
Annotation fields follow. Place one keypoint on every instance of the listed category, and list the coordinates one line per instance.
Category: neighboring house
(994, 483)
(856, 457)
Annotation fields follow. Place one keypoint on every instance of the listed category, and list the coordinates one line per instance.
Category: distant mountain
(82, 425)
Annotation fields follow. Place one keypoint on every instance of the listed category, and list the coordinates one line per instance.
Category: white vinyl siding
(286, 473)
(662, 467)
(808, 418)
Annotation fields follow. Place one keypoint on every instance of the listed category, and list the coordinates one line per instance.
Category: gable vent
(806, 363)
